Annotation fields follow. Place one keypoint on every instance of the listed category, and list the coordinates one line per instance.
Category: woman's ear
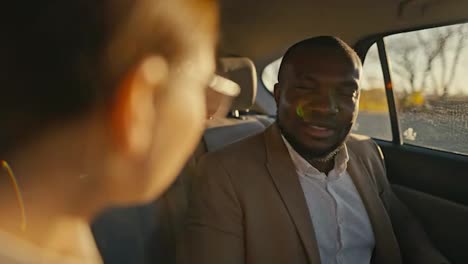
(133, 112)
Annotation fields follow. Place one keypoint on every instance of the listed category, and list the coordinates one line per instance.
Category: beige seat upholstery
(224, 131)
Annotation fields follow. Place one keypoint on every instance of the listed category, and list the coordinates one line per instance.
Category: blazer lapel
(387, 250)
(286, 180)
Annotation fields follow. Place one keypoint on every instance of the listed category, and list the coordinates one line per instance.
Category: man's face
(317, 99)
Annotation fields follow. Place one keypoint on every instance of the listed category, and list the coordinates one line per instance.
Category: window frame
(362, 47)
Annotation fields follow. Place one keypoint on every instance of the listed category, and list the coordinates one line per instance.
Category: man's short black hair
(330, 42)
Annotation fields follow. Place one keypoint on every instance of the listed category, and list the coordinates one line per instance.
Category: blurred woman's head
(121, 81)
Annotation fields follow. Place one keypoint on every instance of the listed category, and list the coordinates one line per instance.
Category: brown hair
(60, 59)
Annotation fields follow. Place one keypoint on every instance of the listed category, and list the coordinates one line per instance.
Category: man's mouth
(319, 131)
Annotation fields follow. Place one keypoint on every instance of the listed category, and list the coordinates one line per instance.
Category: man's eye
(306, 89)
(348, 93)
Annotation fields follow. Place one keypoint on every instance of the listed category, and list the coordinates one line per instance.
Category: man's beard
(307, 153)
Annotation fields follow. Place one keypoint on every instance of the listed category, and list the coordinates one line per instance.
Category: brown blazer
(247, 206)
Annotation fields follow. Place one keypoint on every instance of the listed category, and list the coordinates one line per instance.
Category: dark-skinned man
(305, 190)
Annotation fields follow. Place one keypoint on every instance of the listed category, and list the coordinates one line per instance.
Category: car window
(270, 74)
(373, 119)
(429, 76)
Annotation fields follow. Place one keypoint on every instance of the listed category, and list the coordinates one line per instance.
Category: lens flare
(300, 111)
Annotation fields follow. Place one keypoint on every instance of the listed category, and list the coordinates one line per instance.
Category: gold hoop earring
(19, 196)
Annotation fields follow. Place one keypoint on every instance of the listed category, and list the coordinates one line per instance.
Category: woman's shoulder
(13, 250)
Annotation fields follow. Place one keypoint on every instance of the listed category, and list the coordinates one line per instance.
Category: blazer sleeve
(214, 231)
(415, 246)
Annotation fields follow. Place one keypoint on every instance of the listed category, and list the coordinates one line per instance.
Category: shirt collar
(303, 167)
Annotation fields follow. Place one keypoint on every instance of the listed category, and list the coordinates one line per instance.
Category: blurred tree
(427, 59)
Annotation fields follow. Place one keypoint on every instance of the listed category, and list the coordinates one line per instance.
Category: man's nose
(325, 103)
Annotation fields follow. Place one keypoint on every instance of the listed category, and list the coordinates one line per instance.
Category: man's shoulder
(359, 140)
(362, 145)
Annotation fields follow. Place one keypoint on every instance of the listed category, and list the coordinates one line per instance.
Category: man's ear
(133, 112)
(277, 93)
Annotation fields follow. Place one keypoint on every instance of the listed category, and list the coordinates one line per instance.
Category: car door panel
(434, 172)
(444, 221)
(433, 184)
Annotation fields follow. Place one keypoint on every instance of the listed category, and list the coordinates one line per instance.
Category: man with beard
(305, 190)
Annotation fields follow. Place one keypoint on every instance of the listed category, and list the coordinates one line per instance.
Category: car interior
(427, 173)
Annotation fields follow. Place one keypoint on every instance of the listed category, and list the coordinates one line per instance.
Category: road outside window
(374, 118)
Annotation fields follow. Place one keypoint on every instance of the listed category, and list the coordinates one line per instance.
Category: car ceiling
(263, 29)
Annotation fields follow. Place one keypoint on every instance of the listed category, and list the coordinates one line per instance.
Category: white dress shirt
(342, 227)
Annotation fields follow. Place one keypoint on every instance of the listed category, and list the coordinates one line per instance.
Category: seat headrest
(242, 71)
